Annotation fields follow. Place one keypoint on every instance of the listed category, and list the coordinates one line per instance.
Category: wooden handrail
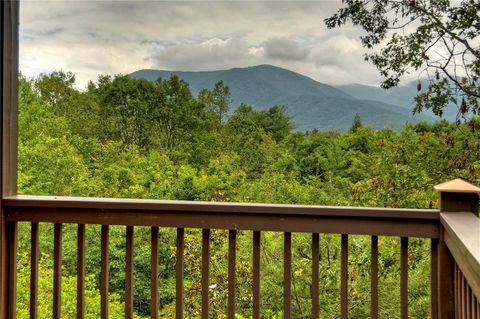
(64, 202)
(242, 216)
(462, 236)
(459, 250)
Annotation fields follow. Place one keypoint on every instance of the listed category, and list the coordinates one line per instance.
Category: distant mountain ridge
(312, 104)
(401, 95)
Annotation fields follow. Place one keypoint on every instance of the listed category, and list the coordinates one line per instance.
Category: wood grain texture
(81, 271)
(315, 275)
(177, 206)
(179, 273)
(462, 237)
(12, 238)
(287, 275)
(129, 272)
(154, 306)
(374, 278)
(256, 274)
(434, 279)
(104, 272)
(57, 271)
(295, 221)
(404, 277)
(232, 256)
(344, 277)
(205, 272)
(34, 258)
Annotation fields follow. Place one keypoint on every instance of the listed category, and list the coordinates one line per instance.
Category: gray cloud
(340, 59)
(211, 54)
(96, 37)
(285, 49)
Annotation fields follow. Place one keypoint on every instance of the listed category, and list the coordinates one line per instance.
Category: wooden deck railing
(459, 280)
(453, 231)
(465, 248)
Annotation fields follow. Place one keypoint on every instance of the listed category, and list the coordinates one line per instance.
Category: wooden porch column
(455, 196)
(8, 149)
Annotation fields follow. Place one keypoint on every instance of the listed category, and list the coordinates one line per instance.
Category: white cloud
(93, 37)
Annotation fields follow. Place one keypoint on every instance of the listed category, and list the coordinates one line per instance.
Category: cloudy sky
(96, 37)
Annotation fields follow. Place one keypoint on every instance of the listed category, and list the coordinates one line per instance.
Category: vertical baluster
(472, 303)
(256, 275)
(287, 275)
(469, 301)
(232, 244)
(457, 291)
(374, 279)
(315, 270)
(154, 274)
(446, 304)
(179, 275)
(129, 273)
(12, 235)
(404, 277)
(57, 272)
(34, 257)
(465, 303)
(205, 271)
(477, 309)
(433, 278)
(344, 278)
(467, 288)
(80, 271)
(462, 297)
(474, 307)
(104, 273)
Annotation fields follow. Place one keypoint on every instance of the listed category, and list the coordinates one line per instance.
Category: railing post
(8, 150)
(455, 196)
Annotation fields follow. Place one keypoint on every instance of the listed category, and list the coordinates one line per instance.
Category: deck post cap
(457, 186)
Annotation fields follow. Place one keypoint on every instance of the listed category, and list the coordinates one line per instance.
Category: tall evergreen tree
(357, 123)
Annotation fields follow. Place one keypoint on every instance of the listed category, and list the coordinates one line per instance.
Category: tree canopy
(136, 139)
(438, 39)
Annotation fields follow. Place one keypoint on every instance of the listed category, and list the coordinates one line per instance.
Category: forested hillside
(311, 104)
(128, 137)
(403, 96)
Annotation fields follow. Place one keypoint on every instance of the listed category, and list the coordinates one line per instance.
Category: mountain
(401, 95)
(312, 105)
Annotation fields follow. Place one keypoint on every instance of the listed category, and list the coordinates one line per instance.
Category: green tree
(252, 157)
(57, 89)
(125, 109)
(184, 127)
(438, 37)
(356, 124)
(48, 162)
(276, 122)
(217, 100)
(80, 109)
